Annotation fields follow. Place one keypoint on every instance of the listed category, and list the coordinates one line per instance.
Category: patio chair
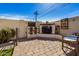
(71, 40)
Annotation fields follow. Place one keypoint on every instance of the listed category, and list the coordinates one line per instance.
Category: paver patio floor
(39, 48)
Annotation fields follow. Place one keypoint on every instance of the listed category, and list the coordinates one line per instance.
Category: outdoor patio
(41, 47)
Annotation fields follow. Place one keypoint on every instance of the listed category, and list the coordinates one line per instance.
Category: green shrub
(6, 34)
(6, 52)
(11, 32)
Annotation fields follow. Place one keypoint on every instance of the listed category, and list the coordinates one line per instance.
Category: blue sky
(47, 12)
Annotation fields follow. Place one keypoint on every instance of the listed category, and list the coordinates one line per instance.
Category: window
(64, 23)
(31, 23)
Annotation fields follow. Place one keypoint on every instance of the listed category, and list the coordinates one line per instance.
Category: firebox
(46, 30)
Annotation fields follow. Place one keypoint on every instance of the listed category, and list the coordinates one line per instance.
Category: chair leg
(15, 42)
(62, 42)
(76, 50)
(62, 45)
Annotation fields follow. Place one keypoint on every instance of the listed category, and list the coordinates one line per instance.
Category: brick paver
(39, 48)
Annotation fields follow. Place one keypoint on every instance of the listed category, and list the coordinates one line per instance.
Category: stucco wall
(73, 26)
(21, 25)
(57, 23)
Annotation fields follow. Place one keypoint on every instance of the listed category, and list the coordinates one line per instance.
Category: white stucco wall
(21, 25)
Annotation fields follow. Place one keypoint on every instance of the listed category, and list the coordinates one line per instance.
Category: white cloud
(14, 17)
(50, 20)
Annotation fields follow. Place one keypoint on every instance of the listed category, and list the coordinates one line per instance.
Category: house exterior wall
(21, 25)
(73, 26)
(38, 23)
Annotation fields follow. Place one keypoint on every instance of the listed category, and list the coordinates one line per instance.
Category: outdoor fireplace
(47, 28)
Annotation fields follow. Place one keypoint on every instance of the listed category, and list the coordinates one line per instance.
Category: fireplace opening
(46, 29)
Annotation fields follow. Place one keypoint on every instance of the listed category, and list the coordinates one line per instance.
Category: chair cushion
(70, 38)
